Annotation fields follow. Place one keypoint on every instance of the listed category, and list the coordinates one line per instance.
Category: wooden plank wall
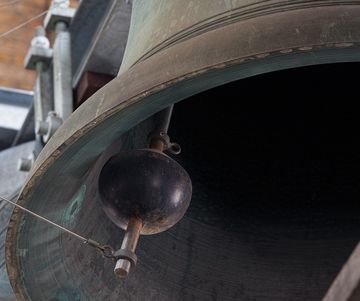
(14, 46)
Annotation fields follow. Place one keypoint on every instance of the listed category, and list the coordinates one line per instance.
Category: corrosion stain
(73, 208)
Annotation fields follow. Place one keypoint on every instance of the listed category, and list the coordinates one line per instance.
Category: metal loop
(171, 147)
(174, 148)
(107, 251)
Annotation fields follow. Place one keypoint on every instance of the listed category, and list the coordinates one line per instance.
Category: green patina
(73, 208)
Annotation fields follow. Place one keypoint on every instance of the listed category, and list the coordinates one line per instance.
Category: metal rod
(63, 94)
(162, 123)
(43, 96)
(43, 100)
(132, 234)
(162, 119)
(129, 243)
(83, 239)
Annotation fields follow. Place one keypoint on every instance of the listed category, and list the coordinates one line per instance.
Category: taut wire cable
(107, 250)
(22, 24)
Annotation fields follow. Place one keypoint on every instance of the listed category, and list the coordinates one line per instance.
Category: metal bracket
(37, 54)
(39, 50)
(58, 14)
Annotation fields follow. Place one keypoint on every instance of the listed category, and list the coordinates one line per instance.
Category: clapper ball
(147, 185)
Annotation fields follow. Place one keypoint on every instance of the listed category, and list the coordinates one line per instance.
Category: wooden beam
(89, 84)
(346, 286)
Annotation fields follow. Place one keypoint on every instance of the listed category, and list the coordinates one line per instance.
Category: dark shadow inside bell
(274, 162)
(281, 148)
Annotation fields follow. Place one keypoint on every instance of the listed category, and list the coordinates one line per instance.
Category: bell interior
(275, 208)
(274, 214)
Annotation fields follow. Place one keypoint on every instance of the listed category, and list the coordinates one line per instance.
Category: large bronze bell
(268, 220)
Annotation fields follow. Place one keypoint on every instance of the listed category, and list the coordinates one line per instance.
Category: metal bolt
(40, 40)
(40, 31)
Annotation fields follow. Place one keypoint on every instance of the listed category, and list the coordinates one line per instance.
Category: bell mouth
(273, 214)
(273, 160)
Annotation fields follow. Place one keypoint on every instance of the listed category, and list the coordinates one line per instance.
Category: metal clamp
(59, 12)
(171, 147)
(47, 128)
(106, 250)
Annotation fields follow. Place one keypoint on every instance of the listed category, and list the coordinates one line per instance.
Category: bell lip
(217, 66)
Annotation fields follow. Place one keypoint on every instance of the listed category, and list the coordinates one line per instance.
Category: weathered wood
(346, 286)
(89, 84)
